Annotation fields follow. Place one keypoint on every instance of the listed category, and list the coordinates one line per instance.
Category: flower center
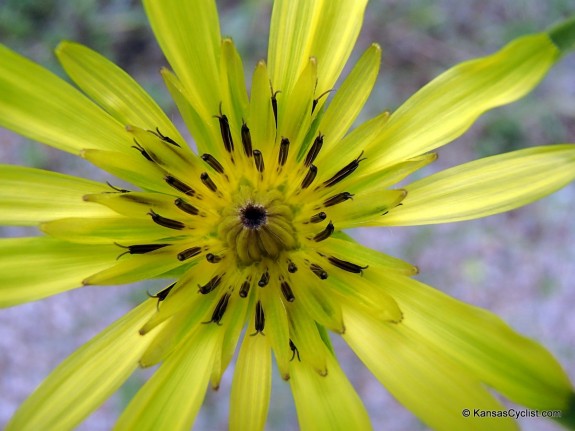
(253, 216)
(258, 226)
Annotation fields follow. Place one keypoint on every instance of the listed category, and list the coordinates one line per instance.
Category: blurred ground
(519, 264)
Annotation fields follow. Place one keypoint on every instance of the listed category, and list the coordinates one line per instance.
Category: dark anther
(117, 189)
(346, 266)
(318, 270)
(291, 267)
(140, 248)
(309, 177)
(211, 160)
(318, 217)
(259, 160)
(316, 100)
(225, 131)
(208, 182)
(344, 172)
(324, 234)
(284, 150)
(164, 138)
(211, 285)
(246, 140)
(314, 150)
(166, 222)
(337, 199)
(220, 309)
(287, 292)
(179, 185)
(162, 294)
(294, 351)
(189, 253)
(264, 280)
(142, 151)
(244, 289)
(213, 258)
(186, 207)
(260, 319)
(275, 105)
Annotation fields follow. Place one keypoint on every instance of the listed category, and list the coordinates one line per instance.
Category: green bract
(252, 224)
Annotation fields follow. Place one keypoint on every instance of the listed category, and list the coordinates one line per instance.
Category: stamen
(287, 292)
(142, 150)
(140, 249)
(166, 222)
(275, 105)
(164, 138)
(220, 309)
(245, 288)
(291, 267)
(259, 159)
(294, 351)
(284, 150)
(189, 253)
(179, 185)
(246, 140)
(310, 176)
(336, 199)
(318, 270)
(260, 319)
(162, 294)
(344, 172)
(347, 266)
(211, 285)
(117, 189)
(319, 217)
(186, 207)
(208, 182)
(316, 100)
(212, 258)
(211, 160)
(314, 150)
(225, 131)
(264, 280)
(324, 234)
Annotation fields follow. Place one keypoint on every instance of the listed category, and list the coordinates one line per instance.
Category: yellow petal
(326, 402)
(447, 106)
(113, 89)
(86, 378)
(424, 379)
(302, 29)
(57, 266)
(28, 196)
(204, 130)
(171, 399)
(39, 105)
(104, 230)
(189, 34)
(251, 386)
(261, 120)
(517, 367)
(486, 186)
(348, 102)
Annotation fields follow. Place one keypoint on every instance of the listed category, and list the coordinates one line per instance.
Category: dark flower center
(253, 216)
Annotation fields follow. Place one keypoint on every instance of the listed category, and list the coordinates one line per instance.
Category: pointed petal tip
(563, 35)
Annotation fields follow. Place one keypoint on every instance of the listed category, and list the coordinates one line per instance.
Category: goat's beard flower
(250, 226)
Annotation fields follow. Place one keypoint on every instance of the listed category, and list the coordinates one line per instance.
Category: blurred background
(519, 265)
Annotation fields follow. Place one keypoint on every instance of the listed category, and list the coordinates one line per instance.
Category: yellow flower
(251, 226)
